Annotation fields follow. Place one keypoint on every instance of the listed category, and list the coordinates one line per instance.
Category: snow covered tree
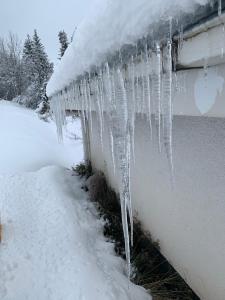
(63, 43)
(28, 62)
(38, 70)
(11, 77)
(24, 74)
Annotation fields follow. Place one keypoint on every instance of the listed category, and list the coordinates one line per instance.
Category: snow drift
(52, 246)
(27, 144)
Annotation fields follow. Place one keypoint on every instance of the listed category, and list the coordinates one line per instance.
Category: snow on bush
(43, 111)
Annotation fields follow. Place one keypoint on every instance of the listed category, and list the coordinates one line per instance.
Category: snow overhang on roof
(176, 24)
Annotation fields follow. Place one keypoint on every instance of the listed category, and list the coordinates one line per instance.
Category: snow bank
(53, 247)
(27, 143)
(108, 25)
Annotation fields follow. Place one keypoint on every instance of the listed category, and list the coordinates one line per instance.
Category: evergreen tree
(28, 61)
(38, 70)
(63, 43)
(11, 78)
(24, 74)
(28, 47)
(41, 63)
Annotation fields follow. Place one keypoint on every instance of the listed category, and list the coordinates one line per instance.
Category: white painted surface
(206, 48)
(189, 221)
(200, 92)
(207, 87)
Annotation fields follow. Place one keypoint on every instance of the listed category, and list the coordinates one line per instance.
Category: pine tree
(28, 61)
(28, 47)
(41, 63)
(37, 68)
(63, 42)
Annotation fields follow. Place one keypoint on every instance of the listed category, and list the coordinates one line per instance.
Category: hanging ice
(157, 93)
(110, 92)
(148, 90)
(58, 109)
(122, 152)
(219, 7)
(118, 94)
(167, 105)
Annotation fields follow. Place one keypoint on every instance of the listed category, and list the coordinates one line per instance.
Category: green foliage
(37, 70)
(63, 40)
(83, 170)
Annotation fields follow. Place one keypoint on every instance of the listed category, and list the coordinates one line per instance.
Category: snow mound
(27, 143)
(52, 243)
(53, 247)
(108, 25)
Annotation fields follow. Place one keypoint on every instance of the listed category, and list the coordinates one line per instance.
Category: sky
(47, 16)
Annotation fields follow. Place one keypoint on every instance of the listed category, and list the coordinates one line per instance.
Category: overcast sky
(47, 16)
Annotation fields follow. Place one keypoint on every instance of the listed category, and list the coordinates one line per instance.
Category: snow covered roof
(114, 29)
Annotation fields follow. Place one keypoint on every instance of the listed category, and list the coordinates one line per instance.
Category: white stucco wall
(189, 220)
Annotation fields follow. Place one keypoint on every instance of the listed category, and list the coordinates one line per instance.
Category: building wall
(188, 219)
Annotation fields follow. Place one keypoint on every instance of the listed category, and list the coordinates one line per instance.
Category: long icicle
(133, 109)
(111, 96)
(147, 74)
(121, 135)
(167, 114)
(158, 93)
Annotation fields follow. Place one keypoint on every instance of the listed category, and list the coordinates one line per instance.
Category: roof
(103, 38)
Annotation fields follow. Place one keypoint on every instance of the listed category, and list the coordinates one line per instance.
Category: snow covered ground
(53, 247)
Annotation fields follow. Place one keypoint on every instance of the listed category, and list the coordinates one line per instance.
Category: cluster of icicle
(144, 86)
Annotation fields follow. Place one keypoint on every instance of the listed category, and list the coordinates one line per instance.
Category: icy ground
(53, 247)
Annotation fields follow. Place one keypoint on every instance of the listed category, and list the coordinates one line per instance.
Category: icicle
(112, 117)
(108, 85)
(147, 76)
(219, 8)
(111, 98)
(130, 136)
(90, 104)
(157, 90)
(170, 28)
(122, 153)
(112, 150)
(222, 40)
(142, 87)
(167, 109)
(83, 106)
(101, 90)
(99, 109)
(130, 208)
(58, 108)
(86, 101)
(133, 109)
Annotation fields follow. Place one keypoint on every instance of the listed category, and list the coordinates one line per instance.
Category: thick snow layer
(53, 244)
(108, 25)
(27, 144)
(53, 247)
